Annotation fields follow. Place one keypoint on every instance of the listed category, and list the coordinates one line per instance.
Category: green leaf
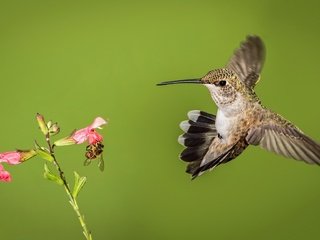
(45, 154)
(50, 176)
(79, 182)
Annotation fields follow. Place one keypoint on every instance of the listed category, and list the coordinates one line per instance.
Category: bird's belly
(229, 128)
(225, 125)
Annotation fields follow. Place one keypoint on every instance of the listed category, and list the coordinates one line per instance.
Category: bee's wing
(101, 164)
(247, 61)
(285, 140)
(87, 162)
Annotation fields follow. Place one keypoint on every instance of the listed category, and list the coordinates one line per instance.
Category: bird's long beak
(198, 81)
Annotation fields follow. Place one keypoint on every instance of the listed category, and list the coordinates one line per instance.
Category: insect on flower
(88, 134)
(94, 151)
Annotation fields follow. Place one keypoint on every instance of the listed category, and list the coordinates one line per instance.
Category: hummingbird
(241, 119)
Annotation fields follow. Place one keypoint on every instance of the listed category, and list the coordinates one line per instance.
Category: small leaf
(45, 154)
(50, 176)
(79, 182)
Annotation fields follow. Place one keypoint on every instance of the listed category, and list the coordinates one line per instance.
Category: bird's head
(223, 84)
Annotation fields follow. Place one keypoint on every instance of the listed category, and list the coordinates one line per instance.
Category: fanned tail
(199, 131)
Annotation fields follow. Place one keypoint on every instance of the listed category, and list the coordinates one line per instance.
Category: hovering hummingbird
(241, 120)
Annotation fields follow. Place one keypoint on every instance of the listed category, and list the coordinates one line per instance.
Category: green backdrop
(73, 61)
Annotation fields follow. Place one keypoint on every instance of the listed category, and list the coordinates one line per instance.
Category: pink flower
(11, 158)
(89, 133)
(4, 175)
(85, 134)
(16, 157)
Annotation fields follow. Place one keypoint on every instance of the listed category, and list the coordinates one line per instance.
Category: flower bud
(53, 128)
(42, 124)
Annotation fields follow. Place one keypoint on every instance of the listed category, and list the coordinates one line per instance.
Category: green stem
(72, 200)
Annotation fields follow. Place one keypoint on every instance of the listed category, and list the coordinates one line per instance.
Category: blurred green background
(73, 61)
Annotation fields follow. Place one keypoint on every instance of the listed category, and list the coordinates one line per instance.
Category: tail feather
(201, 116)
(191, 154)
(192, 167)
(196, 127)
(194, 139)
(199, 131)
(212, 164)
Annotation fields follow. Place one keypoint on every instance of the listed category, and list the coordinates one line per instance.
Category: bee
(94, 151)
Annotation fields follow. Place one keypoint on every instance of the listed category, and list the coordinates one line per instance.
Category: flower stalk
(72, 199)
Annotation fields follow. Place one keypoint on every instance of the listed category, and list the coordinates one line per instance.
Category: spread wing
(287, 141)
(247, 61)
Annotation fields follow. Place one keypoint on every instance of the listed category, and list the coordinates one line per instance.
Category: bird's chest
(227, 126)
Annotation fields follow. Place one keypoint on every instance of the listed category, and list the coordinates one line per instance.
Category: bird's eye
(220, 83)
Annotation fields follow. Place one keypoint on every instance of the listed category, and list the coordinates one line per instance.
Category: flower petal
(4, 175)
(12, 158)
(98, 122)
(94, 137)
(81, 135)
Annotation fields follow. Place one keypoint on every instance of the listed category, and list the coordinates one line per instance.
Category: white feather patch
(193, 115)
(185, 126)
(181, 140)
